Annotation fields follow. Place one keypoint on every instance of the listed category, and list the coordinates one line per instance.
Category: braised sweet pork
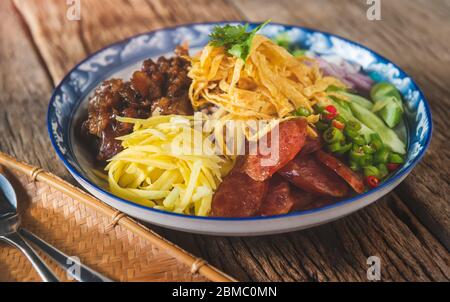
(160, 87)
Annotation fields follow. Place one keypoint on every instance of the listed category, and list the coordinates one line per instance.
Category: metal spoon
(8, 205)
(9, 226)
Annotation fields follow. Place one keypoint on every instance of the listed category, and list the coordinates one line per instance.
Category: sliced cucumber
(357, 99)
(371, 120)
(388, 103)
(346, 113)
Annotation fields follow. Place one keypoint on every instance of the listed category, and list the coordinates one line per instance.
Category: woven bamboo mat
(79, 225)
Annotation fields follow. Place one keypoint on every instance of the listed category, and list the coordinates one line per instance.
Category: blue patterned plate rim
(404, 171)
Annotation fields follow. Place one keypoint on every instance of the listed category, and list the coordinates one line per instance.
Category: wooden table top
(409, 230)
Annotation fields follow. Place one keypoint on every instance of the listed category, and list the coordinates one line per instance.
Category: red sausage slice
(320, 203)
(238, 196)
(311, 145)
(278, 199)
(310, 175)
(353, 179)
(291, 138)
(304, 201)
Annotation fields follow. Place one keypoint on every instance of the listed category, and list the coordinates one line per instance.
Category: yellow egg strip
(152, 170)
(270, 84)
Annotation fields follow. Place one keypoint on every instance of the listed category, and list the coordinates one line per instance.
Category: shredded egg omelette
(270, 84)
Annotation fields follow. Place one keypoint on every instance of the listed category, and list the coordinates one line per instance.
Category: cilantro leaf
(236, 40)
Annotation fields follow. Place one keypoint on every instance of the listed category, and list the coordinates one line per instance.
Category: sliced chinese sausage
(278, 199)
(311, 145)
(306, 201)
(308, 174)
(238, 196)
(289, 141)
(323, 201)
(353, 179)
(301, 198)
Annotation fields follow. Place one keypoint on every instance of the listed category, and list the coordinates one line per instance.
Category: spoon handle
(43, 270)
(82, 273)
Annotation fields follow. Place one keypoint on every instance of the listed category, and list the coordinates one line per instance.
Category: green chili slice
(321, 126)
(354, 125)
(359, 140)
(301, 111)
(333, 135)
(371, 171)
(366, 160)
(351, 133)
(376, 142)
(381, 156)
(368, 149)
(383, 170)
(354, 166)
(344, 148)
(395, 158)
(334, 147)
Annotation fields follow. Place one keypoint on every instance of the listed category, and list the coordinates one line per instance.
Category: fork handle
(85, 274)
(43, 270)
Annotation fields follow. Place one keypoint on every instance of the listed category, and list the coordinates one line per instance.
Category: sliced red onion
(349, 74)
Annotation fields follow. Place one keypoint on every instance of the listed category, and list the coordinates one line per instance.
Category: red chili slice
(332, 112)
(331, 109)
(372, 181)
(392, 167)
(353, 179)
(337, 124)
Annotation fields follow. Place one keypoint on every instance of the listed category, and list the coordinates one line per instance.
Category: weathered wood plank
(25, 89)
(417, 42)
(334, 252)
(63, 42)
(337, 251)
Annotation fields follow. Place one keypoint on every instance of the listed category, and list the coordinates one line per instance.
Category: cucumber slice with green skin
(385, 89)
(371, 120)
(357, 99)
(388, 103)
(391, 114)
(346, 113)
